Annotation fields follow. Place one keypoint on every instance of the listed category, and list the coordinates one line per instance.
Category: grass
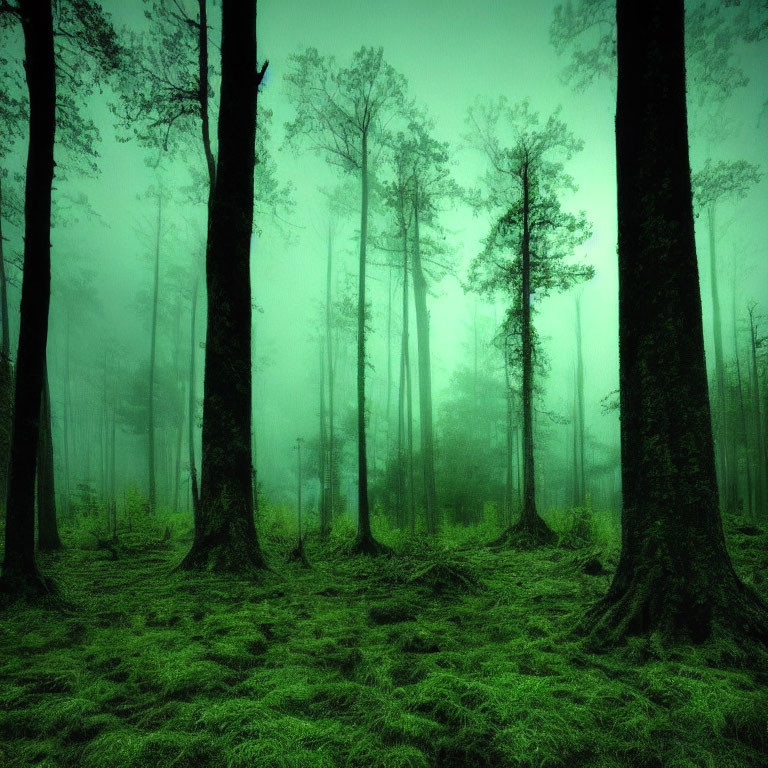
(446, 655)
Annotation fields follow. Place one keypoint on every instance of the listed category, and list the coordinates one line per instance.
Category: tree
(525, 251)
(422, 183)
(713, 184)
(341, 113)
(674, 576)
(20, 573)
(226, 538)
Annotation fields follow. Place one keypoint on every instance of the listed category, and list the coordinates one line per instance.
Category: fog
(451, 54)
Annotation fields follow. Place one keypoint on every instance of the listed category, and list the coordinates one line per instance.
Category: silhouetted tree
(225, 539)
(674, 575)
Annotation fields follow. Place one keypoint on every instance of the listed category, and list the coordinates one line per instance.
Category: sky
(451, 52)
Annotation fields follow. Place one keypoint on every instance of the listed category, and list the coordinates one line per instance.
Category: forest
(384, 384)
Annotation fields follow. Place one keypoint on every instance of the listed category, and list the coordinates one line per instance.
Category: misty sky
(450, 52)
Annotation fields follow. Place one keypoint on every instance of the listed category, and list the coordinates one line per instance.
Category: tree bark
(426, 432)
(226, 538)
(152, 355)
(47, 527)
(331, 500)
(20, 572)
(674, 576)
(762, 459)
(6, 374)
(580, 407)
(191, 410)
(364, 543)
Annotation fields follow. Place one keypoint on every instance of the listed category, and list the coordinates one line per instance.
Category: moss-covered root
(230, 556)
(528, 532)
(29, 586)
(695, 608)
(298, 555)
(367, 545)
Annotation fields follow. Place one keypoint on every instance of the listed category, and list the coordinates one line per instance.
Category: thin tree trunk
(674, 577)
(364, 543)
(331, 369)
(509, 437)
(47, 528)
(6, 374)
(20, 573)
(425, 375)
(762, 460)
(226, 538)
(192, 409)
(152, 356)
(325, 517)
(580, 407)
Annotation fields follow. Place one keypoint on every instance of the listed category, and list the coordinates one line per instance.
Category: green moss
(364, 664)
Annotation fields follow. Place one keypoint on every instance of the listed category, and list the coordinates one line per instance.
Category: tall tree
(531, 236)
(20, 573)
(341, 113)
(423, 180)
(674, 575)
(47, 525)
(226, 538)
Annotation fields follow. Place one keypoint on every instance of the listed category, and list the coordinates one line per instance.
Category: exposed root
(297, 554)
(367, 545)
(241, 559)
(528, 532)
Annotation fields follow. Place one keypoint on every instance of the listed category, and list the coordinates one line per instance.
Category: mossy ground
(444, 655)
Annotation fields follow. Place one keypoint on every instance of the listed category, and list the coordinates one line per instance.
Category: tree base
(367, 545)
(529, 532)
(716, 605)
(298, 555)
(31, 587)
(227, 557)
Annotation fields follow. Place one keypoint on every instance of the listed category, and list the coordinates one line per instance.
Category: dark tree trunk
(325, 516)
(226, 538)
(426, 431)
(202, 61)
(20, 572)
(152, 355)
(530, 529)
(761, 495)
(191, 411)
(47, 527)
(331, 499)
(364, 543)
(674, 576)
(580, 408)
(6, 374)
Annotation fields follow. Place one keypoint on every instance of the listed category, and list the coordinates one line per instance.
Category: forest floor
(442, 656)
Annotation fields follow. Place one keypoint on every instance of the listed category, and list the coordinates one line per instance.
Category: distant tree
(341, 113)
(674, 577)
(525, 252)
(225, 539)
(712, 185)
(423, 184)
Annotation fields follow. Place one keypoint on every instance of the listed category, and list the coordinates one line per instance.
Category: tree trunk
(192, 410)
(202, 61)
(674, 577)
(761, 509)
(20, 572)
(425, 376)
(331, 367)
(325, 517)
(226, 538)
(530, 530)
(152, 356)
(47, 528)
(6, 374)
(364, 543)
(580, 407)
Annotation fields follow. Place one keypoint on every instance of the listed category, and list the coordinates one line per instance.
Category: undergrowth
(448, 654)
